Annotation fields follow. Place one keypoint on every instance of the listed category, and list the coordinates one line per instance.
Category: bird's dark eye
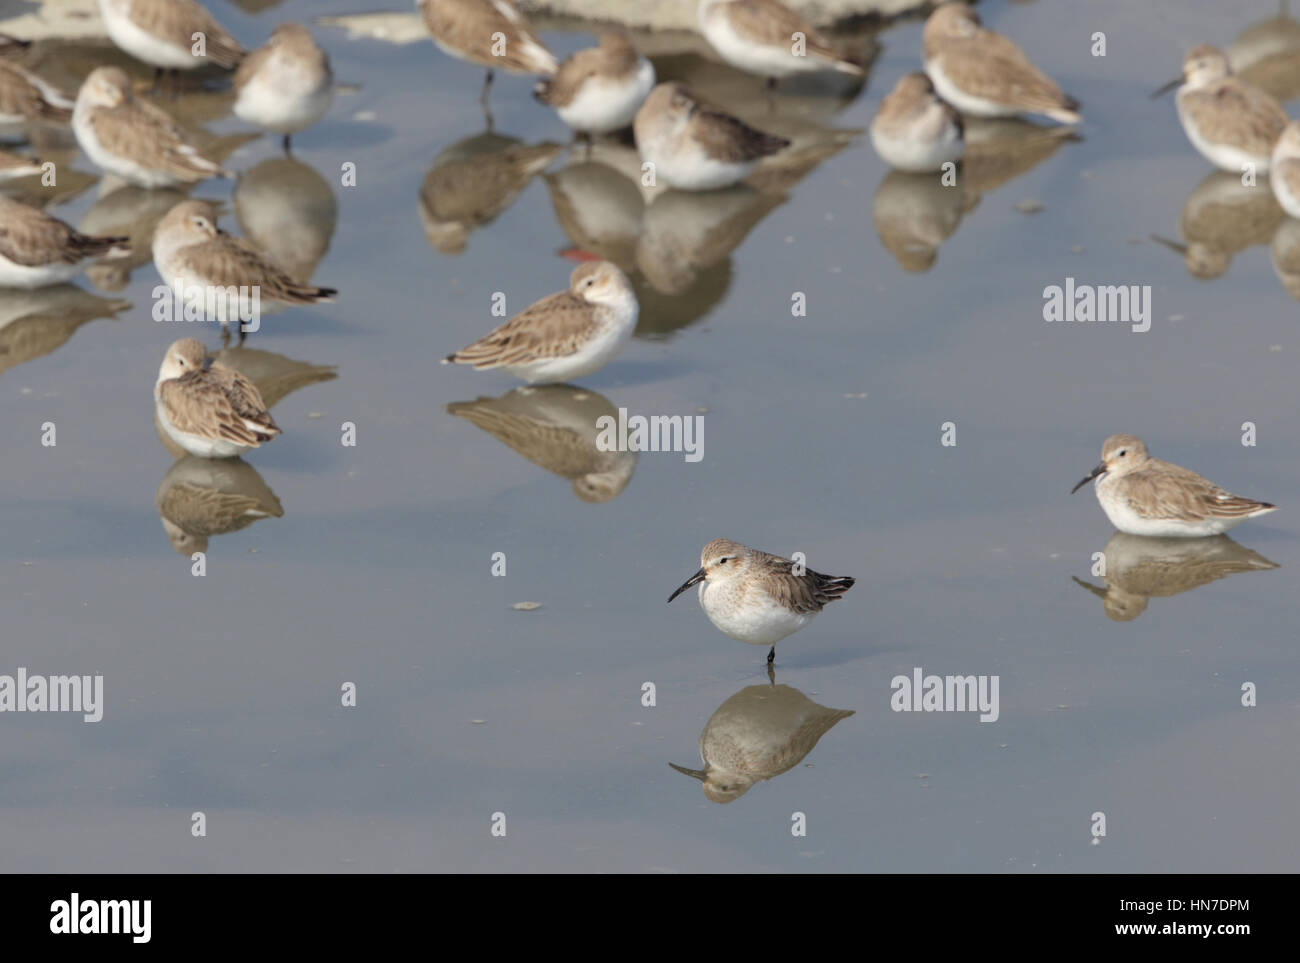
(1123, 452)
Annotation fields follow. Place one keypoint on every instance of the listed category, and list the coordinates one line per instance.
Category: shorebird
(37, 250)
(555, 427)
(198, 260)
(169, 34)
(599, 89)
(491, 33)
(286, 85)
(1142, 495)
(694, 147)
(759, 733)
(199, 498)
(132, 138)
(758, 598)
(26, 98)
(208, 409)
(13, 166)
(914, 130)
(1230, 122)
(563, 336)
(984, 74)
(1284, 169)
(767, 38)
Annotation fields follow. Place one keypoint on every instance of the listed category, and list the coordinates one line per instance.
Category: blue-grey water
(822, 434)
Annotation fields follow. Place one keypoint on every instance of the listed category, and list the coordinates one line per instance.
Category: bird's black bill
(1099, 470)
(1176, 82)
(693, 580)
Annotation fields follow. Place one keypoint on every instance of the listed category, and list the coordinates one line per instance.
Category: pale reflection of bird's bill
(472, 181)
(758, 733)
(1221, 218)
(202, 497)
(289, 210)
(34, 323)
(1139, 568)
(914, 214)
(555, 427)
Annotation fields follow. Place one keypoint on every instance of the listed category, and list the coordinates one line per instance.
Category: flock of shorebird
(213, 411)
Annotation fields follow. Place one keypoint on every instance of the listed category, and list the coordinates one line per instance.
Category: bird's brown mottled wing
(775, 23)
(1168, 491)
(730, 139)
(202, 407)
(553, 327)
(996, 69)
(1250, 118)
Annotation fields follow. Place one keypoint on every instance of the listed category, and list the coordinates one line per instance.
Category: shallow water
(821, 435)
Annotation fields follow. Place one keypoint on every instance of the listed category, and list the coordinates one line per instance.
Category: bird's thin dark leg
(768, 92)
(771, 656)
(225, 336)
(483, 99)
(287, 140)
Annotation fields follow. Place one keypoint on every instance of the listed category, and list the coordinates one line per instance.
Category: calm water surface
(821, 434)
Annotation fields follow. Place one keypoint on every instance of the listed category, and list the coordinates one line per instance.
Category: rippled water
(821, 435)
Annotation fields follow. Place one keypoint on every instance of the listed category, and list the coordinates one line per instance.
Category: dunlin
(555, 427)
(1284, 169)
(286, 85)
(1142, 495)
(757, 734)
(694, 147)
(916, 131)
(34, 322)
(166, 33)
(132, 138)
(767, 38)
(599, 89)
(37, 250)
(491, 33)
(195, 258)
(984, 74)
(25, 98)
(13, 166)
(289, 211)
(472, 181)
(564, 336)
(199, 498)
(758, 598)
(1139, 569)
(208, 409)
(1230, 122)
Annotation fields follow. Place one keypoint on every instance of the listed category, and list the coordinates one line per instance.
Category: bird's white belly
(756, 621)
(767, 60)
(917, 155)
(14, 275)
(144, 46)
